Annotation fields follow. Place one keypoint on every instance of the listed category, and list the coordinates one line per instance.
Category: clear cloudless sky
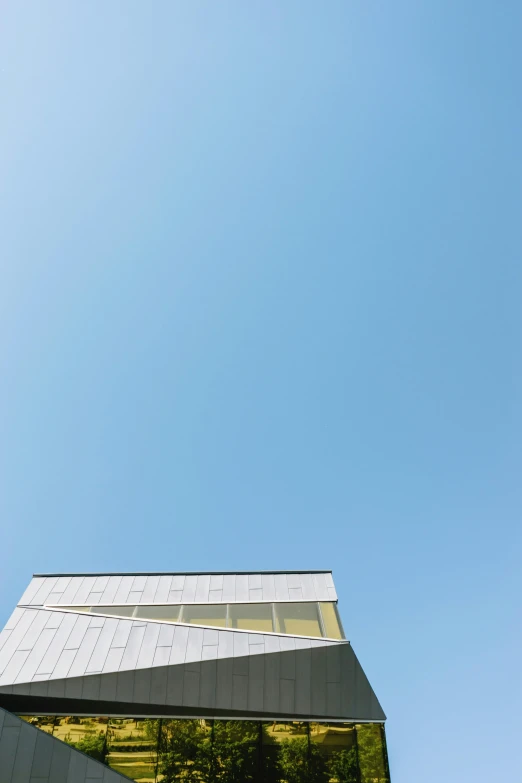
(260, 308)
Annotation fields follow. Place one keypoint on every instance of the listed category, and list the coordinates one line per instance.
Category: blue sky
(260, 308)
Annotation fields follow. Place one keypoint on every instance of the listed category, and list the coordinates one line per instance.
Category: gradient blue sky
(260, 307)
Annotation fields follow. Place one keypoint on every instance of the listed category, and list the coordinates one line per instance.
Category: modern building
(230, 677)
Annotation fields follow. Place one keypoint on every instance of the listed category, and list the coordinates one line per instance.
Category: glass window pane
(371, 753)
(166, 613)
(251, 617)
(205, 614)
(118, 611)
(300, 619)
(332, 625)
(43, 722)
(132, 748)
(85, 734)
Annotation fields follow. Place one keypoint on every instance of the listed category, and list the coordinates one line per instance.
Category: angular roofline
(181, 573)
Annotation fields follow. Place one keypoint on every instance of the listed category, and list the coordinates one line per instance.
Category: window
(300, 619)
(297, 618)
(251, 617)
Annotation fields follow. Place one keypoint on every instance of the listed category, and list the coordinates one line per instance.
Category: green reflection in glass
(371, 753)
(132, 748)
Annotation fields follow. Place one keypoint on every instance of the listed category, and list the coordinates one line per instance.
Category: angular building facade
(232, 677)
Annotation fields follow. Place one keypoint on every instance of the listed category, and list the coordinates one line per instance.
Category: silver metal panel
(179, 646)
(63, 664)
(240, 644)
(138, 585)
(216, 582)
(194, 644)
(175, 597)
(295, 593)
(268, 587)
(308, 588)
(286, 643)
(111, 588)
(225, 644)
(229, 588)
(84, 590)
(162, 593)
(255, 595)
(177, 582)
(209, 652)
(70, 591)
(166, 636)
(256, 649)
(215, 596)
(97, 621)
(161, 656)
(113, 660)
(13, 620)
(4, 636)
(93, 598)
(210, 637)
(57, 645)
(281, 587)
(34, 630)
(332, 594)
(100, 584)
(35, 656)
(134, 597)
(321, 589)
(293, 581)
(13, 667)
(54, 619)
(148, 648)
(121, 636)
(149, 591)
(272, 643)
(189, 589)
(124, 588)
(45, 588)
(31, 589)
(103, 645)
(202, 589)
(254, 582)
(24, 753)
(242, 588)
(132, 649)
(84, 653)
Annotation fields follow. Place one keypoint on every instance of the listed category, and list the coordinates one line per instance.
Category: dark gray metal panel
(224, 684)
(303, 670)
(43, 754)
(8, 745)
(240, 692)
(287, 696)
(77, 768)
(174, 685)
(333, 698)
(256, 683)
(288, 665)
(91, 686)
(333, 663)
(142, 680)
(208, 684)
(272, 677)
(191, 688)
(108, 685)
(158, 683)
(318, 681)
(94, 771)
(24, 754)
(125, 686)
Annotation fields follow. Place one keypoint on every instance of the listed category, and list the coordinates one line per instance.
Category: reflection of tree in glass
(92, 745)
(300, 762)
(342, 766)
(371, 757)
(182, 754)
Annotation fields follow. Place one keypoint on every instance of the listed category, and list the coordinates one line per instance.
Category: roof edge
(181, 573)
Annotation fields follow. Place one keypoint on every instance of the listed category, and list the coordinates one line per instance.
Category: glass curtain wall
(225, 751)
